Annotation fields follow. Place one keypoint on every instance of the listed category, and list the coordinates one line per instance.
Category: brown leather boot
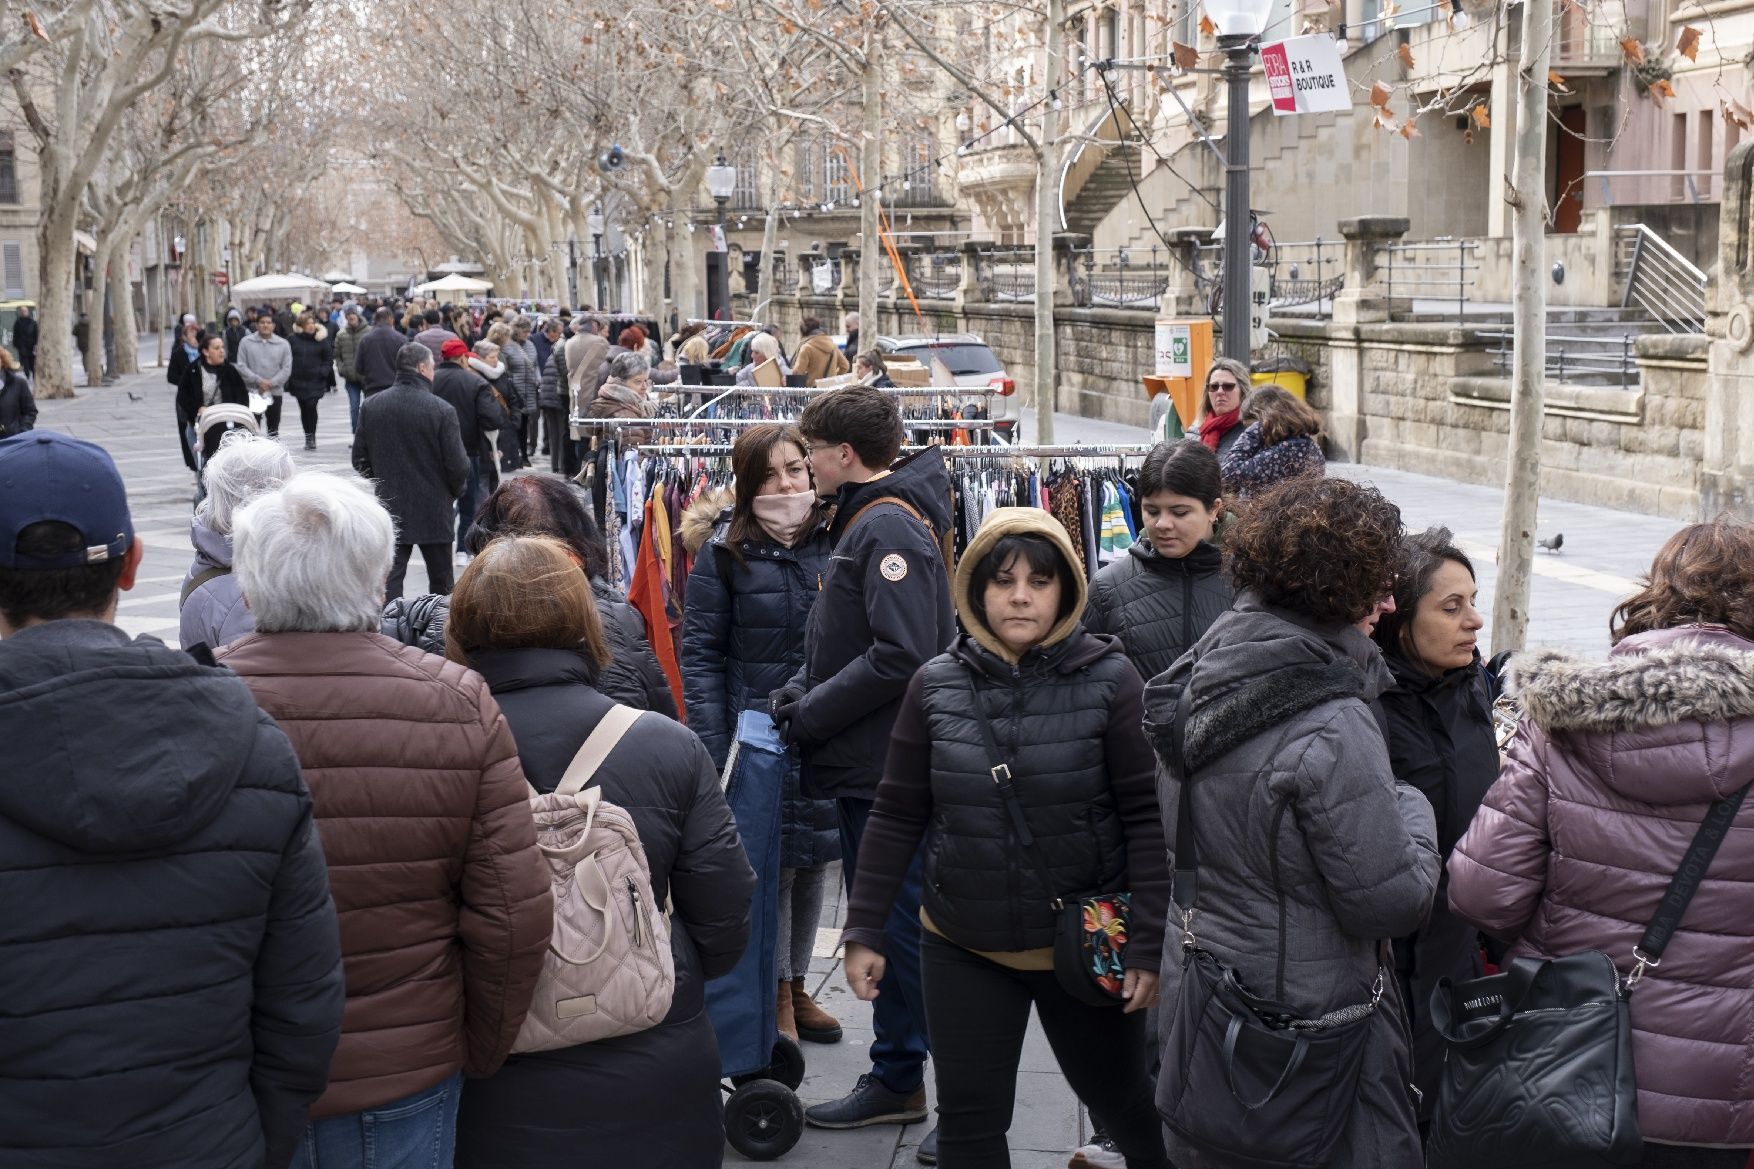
(783, 1000)
(815, 1025)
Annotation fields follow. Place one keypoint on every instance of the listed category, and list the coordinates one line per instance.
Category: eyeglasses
(1222, 386)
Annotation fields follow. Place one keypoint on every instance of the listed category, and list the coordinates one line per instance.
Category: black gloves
(782, 706)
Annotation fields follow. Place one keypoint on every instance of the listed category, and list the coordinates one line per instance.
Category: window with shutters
(8, 170)
(12, 268)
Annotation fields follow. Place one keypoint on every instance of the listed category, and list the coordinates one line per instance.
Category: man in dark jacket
(24, 341)
(410, 443)
(478, 413)
(169, 955)
(375, 359)
(347, 340)
(884, 611)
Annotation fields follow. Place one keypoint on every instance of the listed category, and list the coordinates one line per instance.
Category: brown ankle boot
(815, 1025)
(787, 1025)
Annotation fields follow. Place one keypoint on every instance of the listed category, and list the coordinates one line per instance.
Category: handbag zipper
(639, 913)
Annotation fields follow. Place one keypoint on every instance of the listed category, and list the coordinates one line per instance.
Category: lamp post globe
(1240, 25)
(721, 183)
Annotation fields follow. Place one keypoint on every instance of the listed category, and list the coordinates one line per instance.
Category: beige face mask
(782, 516)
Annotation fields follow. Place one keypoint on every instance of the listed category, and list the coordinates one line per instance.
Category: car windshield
(960, 360)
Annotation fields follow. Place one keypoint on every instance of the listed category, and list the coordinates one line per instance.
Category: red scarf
(1217, 426)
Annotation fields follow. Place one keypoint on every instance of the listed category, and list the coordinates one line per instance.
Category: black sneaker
(310, 442)
(927, 1153)
(870, 1103)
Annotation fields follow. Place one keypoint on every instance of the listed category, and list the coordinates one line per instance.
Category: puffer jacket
(1603, 788)
(742, 638)
(1157, 605)
(215, 613)
(1285, 751)
(1066, 717)
(347, 351)
(170, 968)
(313, 365)
(1440, 741)
(444, 901)
(548, 393)
(632, 677)
(650, 1098)
(524, 377)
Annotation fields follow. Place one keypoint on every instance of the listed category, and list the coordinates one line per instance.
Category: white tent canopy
(453, 283)
(347, 289)
(335, 276)
(278, 286)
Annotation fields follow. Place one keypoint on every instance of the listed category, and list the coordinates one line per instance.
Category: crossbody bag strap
(201, 578)
(1684, 884)
(1001, 773)
(1184, 886)
(597, 745)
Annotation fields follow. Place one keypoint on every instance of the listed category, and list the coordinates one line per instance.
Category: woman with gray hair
(627, 394)
(213, 611)
(525, 378)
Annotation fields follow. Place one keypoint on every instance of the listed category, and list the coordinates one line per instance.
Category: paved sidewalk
(1574, 594)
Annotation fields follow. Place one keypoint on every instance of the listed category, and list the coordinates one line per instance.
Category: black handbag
(1090, 929)
(1244, 1078)
(1537, 1066)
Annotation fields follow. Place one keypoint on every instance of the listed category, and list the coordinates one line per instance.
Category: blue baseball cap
(49, 476)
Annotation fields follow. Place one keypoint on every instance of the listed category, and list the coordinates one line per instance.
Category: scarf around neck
(1217, 426)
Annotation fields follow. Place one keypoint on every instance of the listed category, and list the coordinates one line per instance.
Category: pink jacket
(1601, 792)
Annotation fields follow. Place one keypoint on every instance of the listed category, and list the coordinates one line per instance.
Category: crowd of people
(306, 839)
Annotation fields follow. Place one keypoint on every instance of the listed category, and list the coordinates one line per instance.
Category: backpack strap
(596, 748)
(944, 541)
(201, 578)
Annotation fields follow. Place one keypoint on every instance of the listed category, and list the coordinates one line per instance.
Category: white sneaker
(1100, 1153)
(461, 560)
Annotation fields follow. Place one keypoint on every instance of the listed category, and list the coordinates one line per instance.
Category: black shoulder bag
(1537, 1066)
(1090, 929)
(1244, 1078)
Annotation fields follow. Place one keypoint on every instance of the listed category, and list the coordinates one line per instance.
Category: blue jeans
(469, 501)
(354, 392)
(898, 1016)
(415, 1132)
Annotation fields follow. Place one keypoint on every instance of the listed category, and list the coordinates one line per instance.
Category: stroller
(763, 1116)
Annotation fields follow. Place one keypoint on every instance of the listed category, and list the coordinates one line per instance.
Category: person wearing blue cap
(170, 961)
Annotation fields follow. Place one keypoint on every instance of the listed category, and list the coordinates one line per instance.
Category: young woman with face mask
(757, 571)
(1064, 708)
(1439, 722)
(1169, 588)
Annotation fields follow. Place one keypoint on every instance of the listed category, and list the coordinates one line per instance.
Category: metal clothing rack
(741, 423)
(728, 324)
(804, 392)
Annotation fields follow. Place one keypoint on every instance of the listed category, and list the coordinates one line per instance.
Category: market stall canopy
(277, 286)
(347, 289)
(335, 276)
(454, 283)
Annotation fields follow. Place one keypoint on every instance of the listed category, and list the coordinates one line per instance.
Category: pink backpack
(608, 970)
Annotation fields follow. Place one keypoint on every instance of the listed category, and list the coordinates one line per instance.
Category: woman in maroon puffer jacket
(1602, 789)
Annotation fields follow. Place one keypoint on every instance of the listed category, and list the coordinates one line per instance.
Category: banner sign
(1174, 345)
(1305, 75)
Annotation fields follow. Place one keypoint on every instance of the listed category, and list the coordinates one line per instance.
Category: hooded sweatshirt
(1066, 716)
(214, 613)
(170, 966)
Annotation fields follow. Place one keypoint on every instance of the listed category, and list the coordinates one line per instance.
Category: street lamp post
(1240, 23)
(594, 224)
(572, 270)
(721, 182)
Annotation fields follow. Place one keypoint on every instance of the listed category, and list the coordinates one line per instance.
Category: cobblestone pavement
(1574, 594)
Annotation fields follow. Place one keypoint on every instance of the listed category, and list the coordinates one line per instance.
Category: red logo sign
(1278, 70)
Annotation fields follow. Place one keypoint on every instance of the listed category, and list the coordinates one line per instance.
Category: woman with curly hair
(1310, 853)
(1613, 767)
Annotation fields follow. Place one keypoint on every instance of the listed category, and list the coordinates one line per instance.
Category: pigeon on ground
(1555, 544)
(133, 397)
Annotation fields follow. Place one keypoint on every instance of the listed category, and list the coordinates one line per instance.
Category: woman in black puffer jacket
(749, 596)
(524, 620)
(1440, 737)
(1168, 589)
(1064, 707)
(537, 505)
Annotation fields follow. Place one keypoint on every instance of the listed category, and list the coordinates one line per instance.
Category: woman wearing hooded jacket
(1440, 737)
(1064, 706)
(1169, 588)
(523, 618)
(749, 596)
(1603, 788)
(1287, 763)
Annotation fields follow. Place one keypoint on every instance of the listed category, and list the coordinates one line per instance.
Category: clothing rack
(804, 392)
(741, 423)
(728, 324)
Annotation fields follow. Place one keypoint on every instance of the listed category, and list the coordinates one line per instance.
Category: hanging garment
(647, 593)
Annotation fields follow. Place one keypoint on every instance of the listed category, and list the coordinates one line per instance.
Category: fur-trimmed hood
(1668, 718)
(702, 518)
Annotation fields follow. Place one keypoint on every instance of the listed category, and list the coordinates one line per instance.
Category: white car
(972, 364)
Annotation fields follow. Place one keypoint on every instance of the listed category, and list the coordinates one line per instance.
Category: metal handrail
(1561, 361)
(1663, 282)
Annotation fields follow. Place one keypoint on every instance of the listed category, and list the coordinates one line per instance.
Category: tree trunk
(651, 272)
(1522, 482)
(55, 264)
(686, 261)
(873, 259)
(1047, 220)
(95, 316)
(127, 331)
(770, 230)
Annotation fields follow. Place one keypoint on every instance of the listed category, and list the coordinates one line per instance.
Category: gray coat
(410, 445)
(1281, 715)
(215, 613)
(266, 359)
